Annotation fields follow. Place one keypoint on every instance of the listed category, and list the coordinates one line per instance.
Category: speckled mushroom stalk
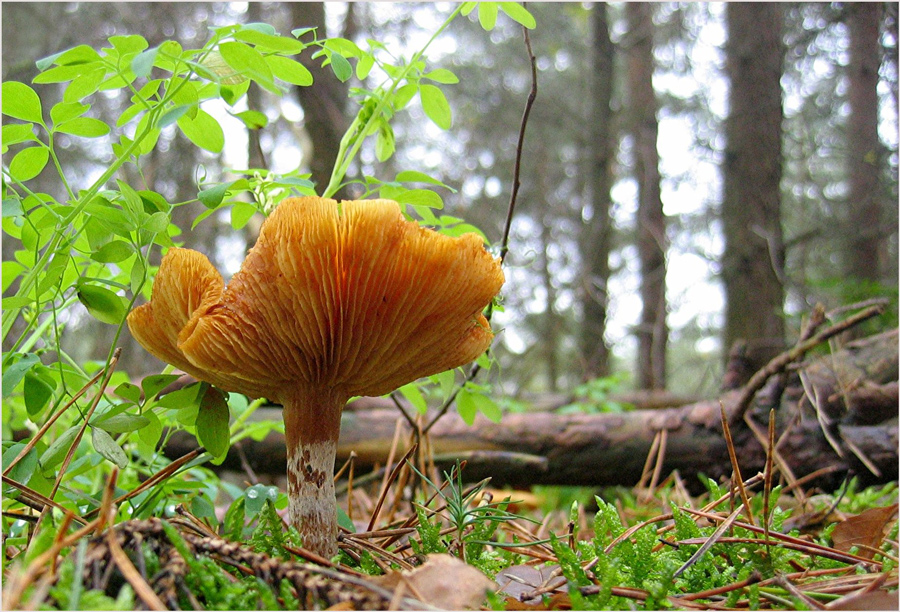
(312, 423)
(334, 301)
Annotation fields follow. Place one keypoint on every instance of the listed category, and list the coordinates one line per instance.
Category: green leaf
(282, 44)
(258, 26)
(204, 131)
(28, 163)
(39, 387)
(384, 142)
(106, 446)
(57, 451)
(115, 251)
(64, 111)
(129, 391)
(130, 43)
(102, 304)
(403, 95)
(341, 67)
(345, 521)
(156, 223)
(172, 115)
(25, 467)
(254, 120)
(213, 196)
(290, 71)
(343, 46)
(21, 102)
(467, 8)
(487, 407)
(202, 508)
(412, 393)
(447, 380)
(142, 63)
(45, 62)
(364, 66)
(487, 15)
(122, 423)
(182, 398)
(82, 54)
(14, 133)
(149, 436)
(232, 93)
(247, 61)
(421, 197)
(156, 383)
(414, 176)
(85, 127)
(435, 105)
(465, 405)
(212, 422)
(85, 85)
(138, 276)
(11, 271)
(61, 74)
(441, 75)
(241, 214)
(519, 14)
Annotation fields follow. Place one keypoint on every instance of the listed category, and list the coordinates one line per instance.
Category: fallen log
(611, 449)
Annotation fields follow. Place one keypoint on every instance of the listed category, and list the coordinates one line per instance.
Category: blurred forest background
(694, 174)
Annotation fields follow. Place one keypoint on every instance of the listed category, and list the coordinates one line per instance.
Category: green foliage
(86, 246)
(594, 396)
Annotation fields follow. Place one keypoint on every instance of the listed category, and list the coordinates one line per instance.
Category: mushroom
(335, 300)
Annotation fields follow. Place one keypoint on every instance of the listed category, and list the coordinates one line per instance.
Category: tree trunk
(753, 262)
(596, 234)
(323, 102)
(866, 247)
(549, 329)
(652, 331)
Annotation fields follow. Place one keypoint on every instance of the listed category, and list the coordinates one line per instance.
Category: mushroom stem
(312, 424)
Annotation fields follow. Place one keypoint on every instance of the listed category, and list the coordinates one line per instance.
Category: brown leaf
(865, 529)
(876, 600)
(443, 582)
(520, 579)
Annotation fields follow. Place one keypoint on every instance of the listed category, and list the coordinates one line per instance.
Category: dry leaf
(341, 606)
(519, 579)
(866, 529)
(443, 581)
(876, 600)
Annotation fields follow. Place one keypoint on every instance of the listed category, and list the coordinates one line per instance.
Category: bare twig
(393, 475)
(510, 211)
(780, 362)
(738, 480)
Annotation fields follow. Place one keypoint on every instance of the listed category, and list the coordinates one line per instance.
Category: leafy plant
(91, 242)
(593, 396)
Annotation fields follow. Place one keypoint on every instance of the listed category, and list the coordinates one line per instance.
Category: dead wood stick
(779, 363)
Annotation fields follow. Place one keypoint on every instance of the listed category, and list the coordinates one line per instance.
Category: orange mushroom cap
(351, 297)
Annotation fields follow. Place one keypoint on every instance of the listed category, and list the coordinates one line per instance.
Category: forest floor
(755, 545)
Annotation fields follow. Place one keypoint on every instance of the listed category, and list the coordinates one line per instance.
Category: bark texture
(596, 235)
(652, 331)
(863, 147)
(753, 262)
